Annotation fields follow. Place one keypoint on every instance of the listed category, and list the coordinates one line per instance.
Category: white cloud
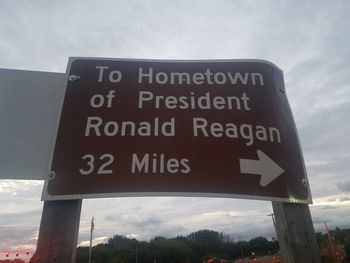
(344, 186)
(95, 241)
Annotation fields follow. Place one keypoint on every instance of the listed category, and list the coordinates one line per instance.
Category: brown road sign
(190, 128)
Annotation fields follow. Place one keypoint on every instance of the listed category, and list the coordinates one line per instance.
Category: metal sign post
(58, 235)
(295, 233)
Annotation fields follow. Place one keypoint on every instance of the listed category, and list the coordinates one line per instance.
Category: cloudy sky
(308, 40)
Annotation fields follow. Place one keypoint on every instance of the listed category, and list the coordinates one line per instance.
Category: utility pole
(91, 233)
(329, 238)
(136, 253)
(273, 220)
(240, 242)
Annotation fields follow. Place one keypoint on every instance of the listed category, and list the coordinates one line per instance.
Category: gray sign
(29, 103)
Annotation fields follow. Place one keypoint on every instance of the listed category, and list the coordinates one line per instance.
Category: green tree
(347, 248)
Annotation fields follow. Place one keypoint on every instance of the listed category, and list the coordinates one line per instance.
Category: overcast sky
(308, 40)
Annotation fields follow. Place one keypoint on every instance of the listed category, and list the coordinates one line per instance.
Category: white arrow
(265, 166)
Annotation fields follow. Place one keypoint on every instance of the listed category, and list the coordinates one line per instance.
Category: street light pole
(91, 233)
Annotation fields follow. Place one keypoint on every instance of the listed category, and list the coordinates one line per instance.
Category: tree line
(200, 246)
(196, 247)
